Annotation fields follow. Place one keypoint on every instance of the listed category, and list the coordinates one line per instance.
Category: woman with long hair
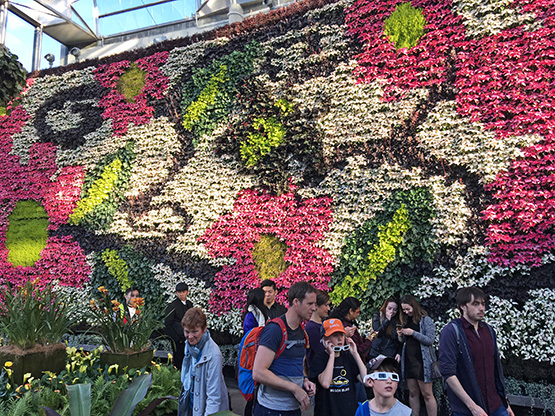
(417, 331)
(255, 313)
(384, 322)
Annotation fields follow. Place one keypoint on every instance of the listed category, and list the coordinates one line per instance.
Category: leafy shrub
(13, 76)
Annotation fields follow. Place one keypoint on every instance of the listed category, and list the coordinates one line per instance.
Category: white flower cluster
(206, 188)
(356, 113)
(453, 138)
(328, 8)
(489, 17)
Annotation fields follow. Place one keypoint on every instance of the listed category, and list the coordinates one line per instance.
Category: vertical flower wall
(372, 148)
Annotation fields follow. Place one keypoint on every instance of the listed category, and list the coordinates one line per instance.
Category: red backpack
(247, 351)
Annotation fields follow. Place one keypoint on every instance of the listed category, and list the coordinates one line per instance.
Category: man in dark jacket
(174, 314)
(469, 360)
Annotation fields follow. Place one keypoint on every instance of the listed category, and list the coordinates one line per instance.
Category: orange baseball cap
(331, 326)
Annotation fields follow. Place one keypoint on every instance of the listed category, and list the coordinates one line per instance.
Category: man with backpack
(469, 360)
(278, 366)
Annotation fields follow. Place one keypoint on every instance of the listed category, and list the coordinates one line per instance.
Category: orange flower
(115, 303)
(136, 302)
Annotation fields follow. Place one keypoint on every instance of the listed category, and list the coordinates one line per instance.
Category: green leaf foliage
(211, 92)
(27, 233)
(268, 255)
(269, 134)
(138, 271)
(131, 396)
(131, 82)
(13, 76)
(79, 399)
(405, 26)
(117, 268)
(103, 189)
(384, 252)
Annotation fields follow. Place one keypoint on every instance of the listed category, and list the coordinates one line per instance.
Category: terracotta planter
(34, 361)
(126, 359)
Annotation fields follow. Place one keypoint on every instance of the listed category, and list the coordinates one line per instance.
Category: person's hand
(328, 346)
(309, 386)
(372, 335)
(350, 330)
(302, 397)
(478, 411)
(352, 346)
(388, 315)
(510, 411)
(406, 331)
(397, 358)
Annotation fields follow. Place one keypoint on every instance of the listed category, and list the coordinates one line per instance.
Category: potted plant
(127, 338)
(33, 319)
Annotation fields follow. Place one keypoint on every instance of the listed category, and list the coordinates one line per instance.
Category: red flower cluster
(138, 112)
(61, 259)
(299, 224)
(399, 70)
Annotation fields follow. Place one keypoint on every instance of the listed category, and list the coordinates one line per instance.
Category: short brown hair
(194, 318)
(466, 294)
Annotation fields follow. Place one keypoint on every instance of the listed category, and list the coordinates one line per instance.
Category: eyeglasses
(382, 375)
(339, 348)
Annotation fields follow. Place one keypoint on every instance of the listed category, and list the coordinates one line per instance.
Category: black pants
(178, 353)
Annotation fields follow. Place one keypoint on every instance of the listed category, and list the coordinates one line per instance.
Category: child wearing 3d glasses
(335, 371)
(383, 379)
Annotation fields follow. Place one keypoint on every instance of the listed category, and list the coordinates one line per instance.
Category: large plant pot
(35, 361)
(126, 359)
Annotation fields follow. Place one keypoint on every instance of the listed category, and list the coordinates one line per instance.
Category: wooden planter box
(34, 361)
(126, 359)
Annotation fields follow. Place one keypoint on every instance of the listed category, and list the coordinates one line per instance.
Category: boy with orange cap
(335, 371)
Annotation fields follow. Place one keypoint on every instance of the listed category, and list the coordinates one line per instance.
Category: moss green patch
(268, 255)
(131, 83)
(405, 26)
(27, 233)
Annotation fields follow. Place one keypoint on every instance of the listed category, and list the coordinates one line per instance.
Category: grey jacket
(210, 392)
(426, 337)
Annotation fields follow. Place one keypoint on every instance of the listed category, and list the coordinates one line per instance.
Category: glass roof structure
(78, 23)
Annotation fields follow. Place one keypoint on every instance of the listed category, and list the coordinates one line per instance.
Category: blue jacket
(455, 359)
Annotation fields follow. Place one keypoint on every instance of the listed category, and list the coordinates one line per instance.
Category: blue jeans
(260, 410)
(501, 411)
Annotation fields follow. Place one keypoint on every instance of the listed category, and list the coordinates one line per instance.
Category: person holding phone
(335, 371)
(417, 331)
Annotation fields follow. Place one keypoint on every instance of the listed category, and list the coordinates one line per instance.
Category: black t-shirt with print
(340, 399)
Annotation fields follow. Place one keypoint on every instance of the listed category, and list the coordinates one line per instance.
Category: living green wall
(373, 148)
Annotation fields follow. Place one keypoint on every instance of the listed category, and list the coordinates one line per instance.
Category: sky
(19, 35)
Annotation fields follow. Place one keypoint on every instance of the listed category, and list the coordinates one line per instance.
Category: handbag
(436, 373)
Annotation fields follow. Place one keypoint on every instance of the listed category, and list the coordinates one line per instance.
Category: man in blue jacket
(469, 360)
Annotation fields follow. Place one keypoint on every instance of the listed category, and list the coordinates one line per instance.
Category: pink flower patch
(399, 70)
(522, 220)
(299, 224)
(62, 259)
(139, 112)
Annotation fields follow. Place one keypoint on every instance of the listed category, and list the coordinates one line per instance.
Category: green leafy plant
(405, 26)
(117, 268)
(13, 76)
(375, 254)
(268, 256)
(131, 82)
(270, 134)
(27, 233)
(122, 333)
(33, 314)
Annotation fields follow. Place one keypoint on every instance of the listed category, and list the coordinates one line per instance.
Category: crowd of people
(317, 357)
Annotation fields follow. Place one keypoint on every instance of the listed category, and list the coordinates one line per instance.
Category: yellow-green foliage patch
(131, 83)
(405, 26)
(268, 255)
(27, 233)
(117, 268)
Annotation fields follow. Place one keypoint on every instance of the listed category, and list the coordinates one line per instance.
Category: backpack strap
(283, 328)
